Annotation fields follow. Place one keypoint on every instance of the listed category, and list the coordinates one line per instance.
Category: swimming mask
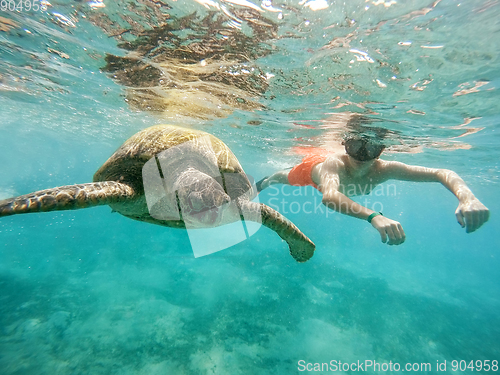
(362, 149)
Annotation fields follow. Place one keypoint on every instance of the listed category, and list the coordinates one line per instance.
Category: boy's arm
(280, 177)
(390, 231)
(471, 213)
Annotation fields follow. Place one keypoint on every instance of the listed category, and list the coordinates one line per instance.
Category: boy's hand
(471, 214)
(389, 229)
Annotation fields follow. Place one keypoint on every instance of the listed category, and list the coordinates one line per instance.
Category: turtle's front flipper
(71, 197)
(301, 247)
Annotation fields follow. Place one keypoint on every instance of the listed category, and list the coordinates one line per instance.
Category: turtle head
(202, 199)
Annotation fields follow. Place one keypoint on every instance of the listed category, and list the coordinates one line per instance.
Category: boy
(360, 167)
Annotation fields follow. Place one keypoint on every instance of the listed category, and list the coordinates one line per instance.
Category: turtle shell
(126, 164)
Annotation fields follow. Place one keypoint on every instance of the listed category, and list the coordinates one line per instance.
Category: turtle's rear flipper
(71, 197)
(301, 247)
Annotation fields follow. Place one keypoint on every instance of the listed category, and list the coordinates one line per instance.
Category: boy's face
(362, 149)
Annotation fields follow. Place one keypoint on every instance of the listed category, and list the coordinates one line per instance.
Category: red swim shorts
(300, 175)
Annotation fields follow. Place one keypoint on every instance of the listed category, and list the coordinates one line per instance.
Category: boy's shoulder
(334, 163)
(335, 158)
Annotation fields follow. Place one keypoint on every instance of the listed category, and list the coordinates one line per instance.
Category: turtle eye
(196, 201)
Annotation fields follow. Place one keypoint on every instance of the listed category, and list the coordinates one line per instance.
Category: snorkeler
(360, 169)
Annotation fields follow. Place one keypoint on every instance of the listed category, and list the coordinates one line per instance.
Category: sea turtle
(171, 176)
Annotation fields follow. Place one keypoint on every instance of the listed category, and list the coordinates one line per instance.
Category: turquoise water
(92, 292)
